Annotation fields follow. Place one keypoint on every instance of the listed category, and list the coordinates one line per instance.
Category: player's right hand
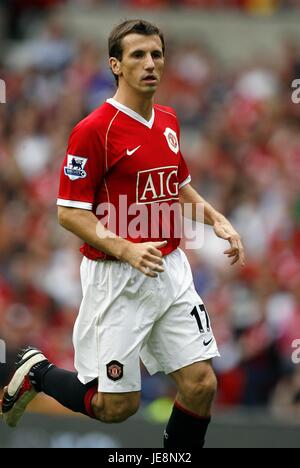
(145, 257)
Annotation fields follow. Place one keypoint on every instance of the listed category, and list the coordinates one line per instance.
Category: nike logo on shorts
(130, 152)
(206, 343)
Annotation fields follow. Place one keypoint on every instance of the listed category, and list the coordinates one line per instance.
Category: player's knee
(197, 389)
(121, 412)
(116, 410)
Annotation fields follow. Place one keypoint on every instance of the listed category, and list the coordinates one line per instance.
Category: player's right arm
(145, 257)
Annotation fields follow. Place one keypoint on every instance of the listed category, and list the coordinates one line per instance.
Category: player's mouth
(150, 79)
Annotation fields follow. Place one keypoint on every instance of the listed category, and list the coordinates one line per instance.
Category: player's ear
(115, 65)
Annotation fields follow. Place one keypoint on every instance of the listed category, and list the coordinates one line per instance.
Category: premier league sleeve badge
(75, 167)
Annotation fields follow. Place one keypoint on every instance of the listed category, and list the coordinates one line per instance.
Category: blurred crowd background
(241, 139)
(18, 10)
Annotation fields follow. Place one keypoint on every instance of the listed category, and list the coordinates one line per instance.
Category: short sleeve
(83, 168)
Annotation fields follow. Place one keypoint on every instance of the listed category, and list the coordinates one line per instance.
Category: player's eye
(138, 54)
(157, 55)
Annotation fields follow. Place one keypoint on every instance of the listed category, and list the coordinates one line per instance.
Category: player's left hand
(225, 230)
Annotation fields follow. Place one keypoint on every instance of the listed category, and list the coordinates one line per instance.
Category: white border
(74, 204)
(185, 182)
(131, 113)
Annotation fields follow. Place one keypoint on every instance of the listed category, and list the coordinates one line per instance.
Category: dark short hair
(136, 26)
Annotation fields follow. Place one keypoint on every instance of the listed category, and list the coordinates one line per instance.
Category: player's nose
(149, 63)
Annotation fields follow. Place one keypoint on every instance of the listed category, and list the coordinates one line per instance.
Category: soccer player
(139, 300)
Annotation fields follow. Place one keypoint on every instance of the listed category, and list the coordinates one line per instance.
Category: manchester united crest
(172, 140)
(114, 370)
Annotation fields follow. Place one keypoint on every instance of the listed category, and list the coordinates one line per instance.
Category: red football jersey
(128, 171)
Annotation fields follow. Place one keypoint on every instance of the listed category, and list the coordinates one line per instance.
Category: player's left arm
(222, 227)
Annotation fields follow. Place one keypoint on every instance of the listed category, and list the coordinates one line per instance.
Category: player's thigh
(181, 337)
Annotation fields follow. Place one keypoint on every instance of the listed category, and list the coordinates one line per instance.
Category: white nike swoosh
(130, 152)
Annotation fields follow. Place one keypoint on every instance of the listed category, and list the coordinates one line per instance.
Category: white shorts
(125, 316)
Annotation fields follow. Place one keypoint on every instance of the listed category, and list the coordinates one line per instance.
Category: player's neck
(140, 104)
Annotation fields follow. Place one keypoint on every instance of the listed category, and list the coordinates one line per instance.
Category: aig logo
(157, 185)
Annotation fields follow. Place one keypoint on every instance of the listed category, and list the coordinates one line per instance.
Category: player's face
(142, 63)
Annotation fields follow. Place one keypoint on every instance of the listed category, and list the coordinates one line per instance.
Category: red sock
(88, 401)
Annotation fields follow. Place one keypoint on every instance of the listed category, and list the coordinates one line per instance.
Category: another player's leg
(191, 413)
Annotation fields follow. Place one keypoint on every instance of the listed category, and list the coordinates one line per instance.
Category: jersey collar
(134, 115)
